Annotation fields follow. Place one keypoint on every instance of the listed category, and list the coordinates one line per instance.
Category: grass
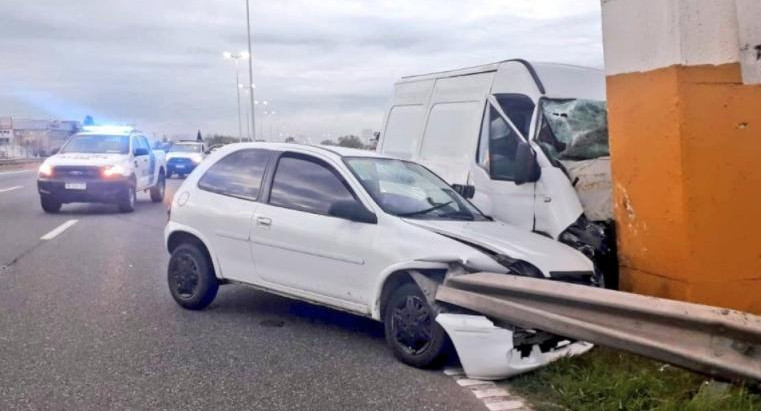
(605, 379)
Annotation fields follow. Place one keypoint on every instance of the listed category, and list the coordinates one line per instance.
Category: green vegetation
(605, 379)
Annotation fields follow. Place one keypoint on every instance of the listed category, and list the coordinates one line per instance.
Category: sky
(326, 67)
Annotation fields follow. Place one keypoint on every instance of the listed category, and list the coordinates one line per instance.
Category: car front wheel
(191, 278)
(411, 330)
(157, 191)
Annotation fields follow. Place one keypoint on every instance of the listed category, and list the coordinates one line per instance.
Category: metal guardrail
(714, 341)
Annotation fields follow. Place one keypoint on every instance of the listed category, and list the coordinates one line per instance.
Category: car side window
(307, 184)
(238, 174)
(498, 146)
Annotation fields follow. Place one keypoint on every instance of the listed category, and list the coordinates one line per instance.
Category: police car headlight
(114, 170)
(46, 170)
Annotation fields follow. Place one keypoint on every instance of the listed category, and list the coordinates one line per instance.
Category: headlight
(520, 267)
(46, 170)
(114, 170)
(196, 159)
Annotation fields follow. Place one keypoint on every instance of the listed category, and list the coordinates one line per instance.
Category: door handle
(264, 221)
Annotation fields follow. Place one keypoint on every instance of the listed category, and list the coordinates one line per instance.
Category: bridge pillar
(685, 131)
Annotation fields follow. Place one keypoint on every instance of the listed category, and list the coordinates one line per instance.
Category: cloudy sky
(326, 66)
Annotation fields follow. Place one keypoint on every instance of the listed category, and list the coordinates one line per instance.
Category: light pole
(264, 105)
(236, 57)
(250, 67)
(248, 115)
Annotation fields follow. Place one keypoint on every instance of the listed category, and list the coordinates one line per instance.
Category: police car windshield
(97, 143)
(185, 148)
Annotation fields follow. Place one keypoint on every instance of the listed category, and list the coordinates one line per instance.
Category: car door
(493, 173)
(298, 246)
(141, 161)
(224, 207)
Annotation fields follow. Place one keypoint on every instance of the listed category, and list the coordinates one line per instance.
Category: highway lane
(87, 323)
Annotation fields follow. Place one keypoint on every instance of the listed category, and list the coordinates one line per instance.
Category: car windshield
(185, 148)
(574, 129)
(407, 189)
(97, 143)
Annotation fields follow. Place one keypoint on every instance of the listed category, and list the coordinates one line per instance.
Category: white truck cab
(102, 164)
(528, 142)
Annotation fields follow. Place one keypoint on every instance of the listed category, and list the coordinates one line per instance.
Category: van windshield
(407, 189)
(574, 129)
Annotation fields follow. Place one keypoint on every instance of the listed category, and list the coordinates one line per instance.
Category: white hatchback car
(360, 232)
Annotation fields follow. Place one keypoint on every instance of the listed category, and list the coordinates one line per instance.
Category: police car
(102, 164)
(184, 156)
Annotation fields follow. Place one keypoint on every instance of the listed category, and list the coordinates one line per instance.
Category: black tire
(157, 191)
(415, 337)
(127, 203)
(191, 278)
(169, 174)
(181, 175)
(50, 204)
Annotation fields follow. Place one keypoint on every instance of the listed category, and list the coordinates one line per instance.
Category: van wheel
(411, 330)
(191, 278)
(127, 203)
(157, 191)
(50, 204)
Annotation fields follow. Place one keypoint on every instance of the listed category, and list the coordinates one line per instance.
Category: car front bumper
(96, 191)
(177, 166)
(487, 351)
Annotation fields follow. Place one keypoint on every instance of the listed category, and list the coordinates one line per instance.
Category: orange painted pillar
(685, 133)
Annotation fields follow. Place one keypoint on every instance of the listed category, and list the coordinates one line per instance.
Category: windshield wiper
(425, 210)
(458, 216)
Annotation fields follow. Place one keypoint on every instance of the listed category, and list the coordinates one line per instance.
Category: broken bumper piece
(487, 351)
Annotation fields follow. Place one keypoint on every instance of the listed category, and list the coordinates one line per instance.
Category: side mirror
(141, 151)
(466, 191)
(526, 168)
(352, 211)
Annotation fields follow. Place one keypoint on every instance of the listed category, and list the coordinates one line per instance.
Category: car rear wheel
(127, 203)
(50, 204)
(157, 191)
(191, 278)
(411, 330)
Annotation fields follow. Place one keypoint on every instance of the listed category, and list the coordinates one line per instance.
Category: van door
(493, 173)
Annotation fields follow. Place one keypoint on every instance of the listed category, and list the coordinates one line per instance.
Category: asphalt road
(87, 323)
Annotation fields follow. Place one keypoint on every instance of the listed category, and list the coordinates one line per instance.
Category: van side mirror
(352, 211)
(526, 168)
(466, 191)
(141, 151)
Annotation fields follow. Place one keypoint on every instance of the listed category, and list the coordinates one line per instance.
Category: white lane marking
(454, 371)
(467, 382)
(2, 190)
(490, 392)
(504, 405)
(7, 173)
(58, 230)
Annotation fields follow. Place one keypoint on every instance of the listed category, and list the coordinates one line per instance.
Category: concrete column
(685, 132)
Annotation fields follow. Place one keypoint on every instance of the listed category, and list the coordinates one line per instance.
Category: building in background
(22, 137)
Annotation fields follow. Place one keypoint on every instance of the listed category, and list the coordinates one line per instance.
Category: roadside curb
(494, 397)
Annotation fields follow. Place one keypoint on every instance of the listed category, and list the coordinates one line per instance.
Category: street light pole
(236, 57)
(237, 89)
(250, 67)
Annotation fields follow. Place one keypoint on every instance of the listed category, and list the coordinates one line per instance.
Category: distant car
(103, 165)
(184, 156)
(358, 231)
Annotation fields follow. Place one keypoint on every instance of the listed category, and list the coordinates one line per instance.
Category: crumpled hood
(86, 159)
(545, 253)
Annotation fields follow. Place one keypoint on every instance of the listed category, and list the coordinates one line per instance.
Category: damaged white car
(364, 233)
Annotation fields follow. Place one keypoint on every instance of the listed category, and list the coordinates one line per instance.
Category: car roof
(330, 151)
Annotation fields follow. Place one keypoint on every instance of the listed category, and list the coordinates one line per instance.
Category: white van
(528, 142)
